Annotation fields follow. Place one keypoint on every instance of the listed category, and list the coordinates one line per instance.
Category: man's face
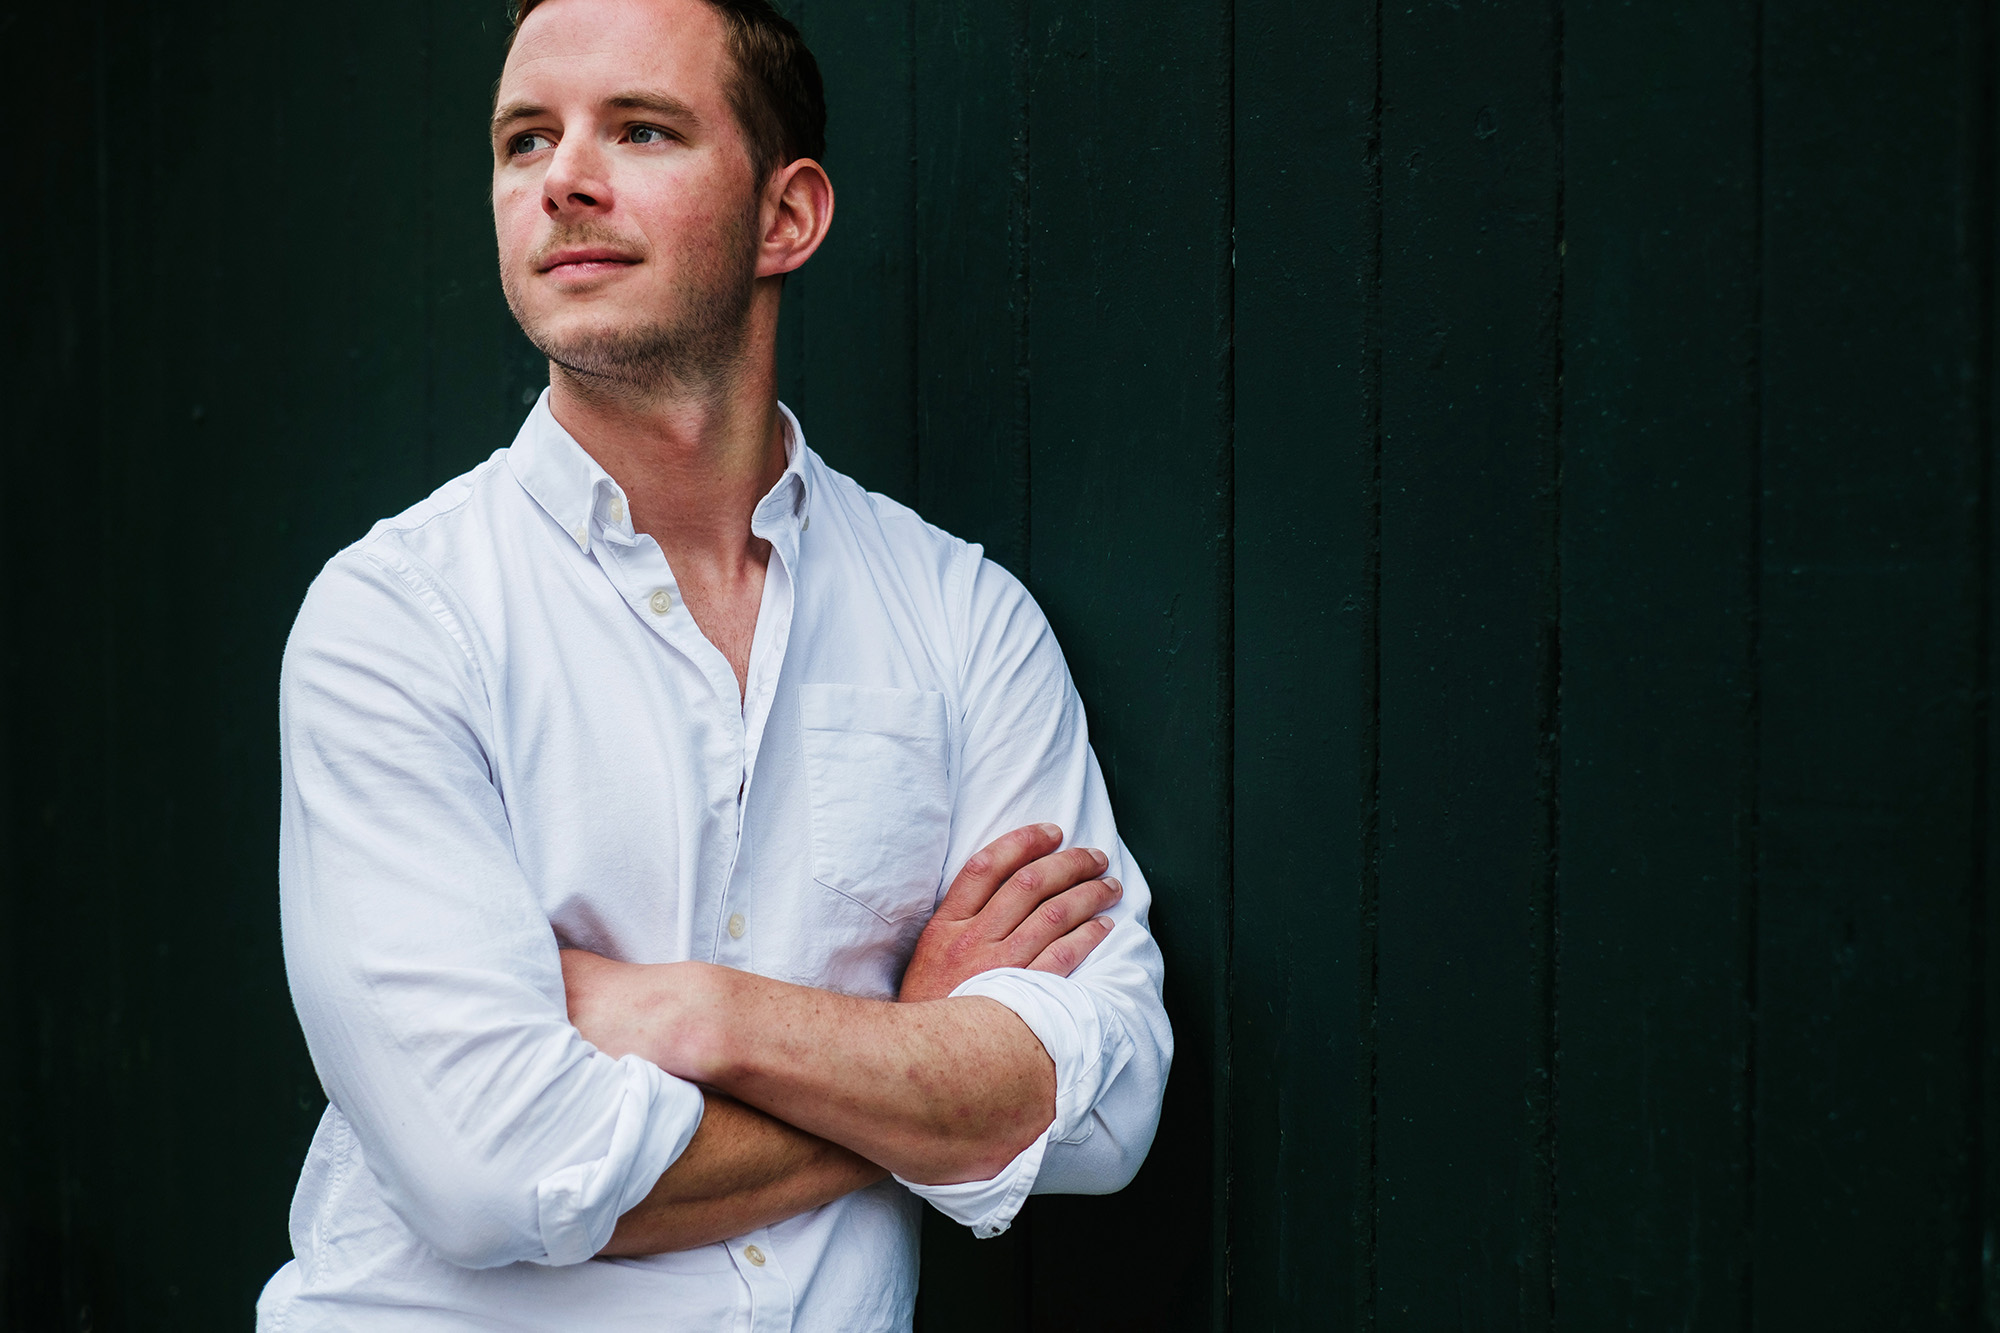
(622, 189)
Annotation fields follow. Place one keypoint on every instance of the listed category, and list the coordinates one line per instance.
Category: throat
(725, 597)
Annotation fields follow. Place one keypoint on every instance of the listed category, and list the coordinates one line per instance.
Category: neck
(693, 457)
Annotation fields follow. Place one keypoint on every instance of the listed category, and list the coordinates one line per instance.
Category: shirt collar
(588, 505)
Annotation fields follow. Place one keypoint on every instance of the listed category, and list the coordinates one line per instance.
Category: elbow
(1121, 1167)
(1098, 1159)
(474, 1247)
(470, 1221)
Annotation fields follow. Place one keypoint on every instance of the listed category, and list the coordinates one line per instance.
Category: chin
(561, 330)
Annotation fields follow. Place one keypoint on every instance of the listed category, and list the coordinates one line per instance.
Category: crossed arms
(811, 1094)
(512, 1103)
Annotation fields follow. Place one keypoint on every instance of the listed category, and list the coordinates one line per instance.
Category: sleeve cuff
(579, 1206)
(1088, 1048)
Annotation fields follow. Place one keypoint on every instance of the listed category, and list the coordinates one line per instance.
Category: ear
(794, 217)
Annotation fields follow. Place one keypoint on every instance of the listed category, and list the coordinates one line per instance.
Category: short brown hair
(777, 94)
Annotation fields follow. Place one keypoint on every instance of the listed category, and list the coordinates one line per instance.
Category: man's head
(654, 178)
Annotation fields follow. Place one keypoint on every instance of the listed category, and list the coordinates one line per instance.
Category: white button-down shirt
(503, 733)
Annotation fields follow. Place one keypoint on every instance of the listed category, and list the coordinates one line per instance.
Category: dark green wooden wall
(1515, 485)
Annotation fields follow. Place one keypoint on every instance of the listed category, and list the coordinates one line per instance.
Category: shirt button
(754, 1255)
(617, 508)
(736, 926)
(661, 601)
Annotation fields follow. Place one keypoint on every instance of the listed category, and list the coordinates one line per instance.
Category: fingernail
(1102, 859)
(1049, 830)
(1116, 887)
(1108, 923)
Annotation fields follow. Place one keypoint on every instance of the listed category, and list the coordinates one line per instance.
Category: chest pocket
(877, 773)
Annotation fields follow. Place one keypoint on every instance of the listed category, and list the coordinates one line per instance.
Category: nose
(576, 182)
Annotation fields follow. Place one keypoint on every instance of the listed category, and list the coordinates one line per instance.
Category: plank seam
(1979, 239)
(1367, 1208)
(1549, 688)
(427, 458)
(1226, 694)
(914, 259)
(1752, 796)
(1023, 241)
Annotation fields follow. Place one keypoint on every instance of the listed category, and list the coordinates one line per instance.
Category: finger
(1065, 955)
(1036, 883)
(989, 868)
(1059, 916)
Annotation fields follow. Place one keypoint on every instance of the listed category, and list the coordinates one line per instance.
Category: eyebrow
(660, 104)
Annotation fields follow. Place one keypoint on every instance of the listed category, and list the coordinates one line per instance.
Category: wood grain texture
(1306, 437)
(1869, 655)
(847, 359)
(1470, 301)
(1658, 689)
(972, 156)
(1128, 343)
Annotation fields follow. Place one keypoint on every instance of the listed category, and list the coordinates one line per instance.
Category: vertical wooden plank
(1471, 305)
(972, 272)
(847, 361)
(1129, 122)
(1979, 266)
(971, 128)
(1870, 611)
(1304, 594)
(483, 374)
(1660, 426)
(1983, 239)
(56, 1253)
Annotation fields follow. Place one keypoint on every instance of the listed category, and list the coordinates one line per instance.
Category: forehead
(584, 50)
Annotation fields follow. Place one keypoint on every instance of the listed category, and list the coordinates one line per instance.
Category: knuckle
(1052, 912)
(1062, 957)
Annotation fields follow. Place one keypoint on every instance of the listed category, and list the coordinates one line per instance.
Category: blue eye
(648, 134)
(530, 143)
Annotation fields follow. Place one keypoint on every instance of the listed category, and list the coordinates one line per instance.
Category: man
(621, 777)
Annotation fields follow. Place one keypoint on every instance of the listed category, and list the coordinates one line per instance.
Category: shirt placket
(639, 570)
(770, 1290)
(646, 580)
(735, 945)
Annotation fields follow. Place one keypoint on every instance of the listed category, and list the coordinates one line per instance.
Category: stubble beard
(694, 348)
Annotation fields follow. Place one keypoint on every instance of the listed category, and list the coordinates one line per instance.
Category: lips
(587, 260)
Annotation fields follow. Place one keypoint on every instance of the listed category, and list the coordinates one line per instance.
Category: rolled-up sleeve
(425, 973)
(1025, 757)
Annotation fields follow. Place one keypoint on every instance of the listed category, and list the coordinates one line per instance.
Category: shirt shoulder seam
(426, 587)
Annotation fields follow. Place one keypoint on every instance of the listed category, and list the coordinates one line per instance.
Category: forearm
(938, 1092)
(742, 1170)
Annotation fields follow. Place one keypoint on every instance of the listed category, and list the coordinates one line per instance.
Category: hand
(1014, 905)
